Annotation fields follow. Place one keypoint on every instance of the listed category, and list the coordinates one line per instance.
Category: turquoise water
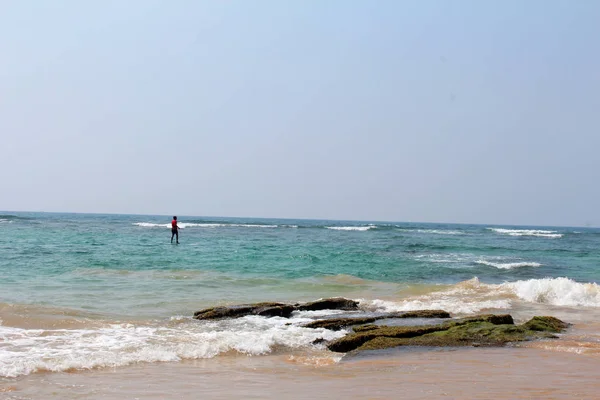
(90, 291)
(126, 263)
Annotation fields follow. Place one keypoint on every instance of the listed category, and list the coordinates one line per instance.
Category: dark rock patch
(336, 324)
(284, 310)
(265, 309)
(335, 303)
(275, 309)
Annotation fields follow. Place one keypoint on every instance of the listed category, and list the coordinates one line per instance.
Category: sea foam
(556, 291)
(24, 351)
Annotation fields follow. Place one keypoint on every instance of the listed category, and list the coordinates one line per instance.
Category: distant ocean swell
(533, 233)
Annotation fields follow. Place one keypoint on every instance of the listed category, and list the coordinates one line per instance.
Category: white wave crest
(351, 228)
(24, 351)
(528, 232)
(556, 291)
(509, 265)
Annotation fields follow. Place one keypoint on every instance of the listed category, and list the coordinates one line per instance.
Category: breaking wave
(472, 296)
(556, 291)
(25, 351)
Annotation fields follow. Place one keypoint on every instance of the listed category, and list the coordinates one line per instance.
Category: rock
(357, 339)
(549, 324)
(274, 309)
(338, 323)
(365, 328)
(265, 309)
(335, 303)
(284, 310)
(484, 330)
(491, 318)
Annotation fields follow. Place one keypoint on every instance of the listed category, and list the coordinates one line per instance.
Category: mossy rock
(484, 330)
(365, 328)
(548, 324)
(357, 339)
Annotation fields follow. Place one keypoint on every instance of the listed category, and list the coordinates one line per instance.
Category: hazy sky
(434, 111)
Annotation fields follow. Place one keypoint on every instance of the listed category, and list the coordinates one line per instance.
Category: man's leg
(177, 235)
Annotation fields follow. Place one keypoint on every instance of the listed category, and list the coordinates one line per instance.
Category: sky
(418, 111)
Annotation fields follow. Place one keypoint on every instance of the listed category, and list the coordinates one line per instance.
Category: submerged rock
(484, 330)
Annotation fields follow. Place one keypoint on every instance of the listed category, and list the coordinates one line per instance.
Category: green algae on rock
(548, 324)
(486, 330)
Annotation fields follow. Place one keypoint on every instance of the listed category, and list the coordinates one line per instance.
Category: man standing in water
(174, 230)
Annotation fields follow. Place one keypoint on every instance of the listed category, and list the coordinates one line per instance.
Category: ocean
(100, 306)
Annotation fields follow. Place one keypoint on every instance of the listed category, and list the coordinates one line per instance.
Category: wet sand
(415, 373)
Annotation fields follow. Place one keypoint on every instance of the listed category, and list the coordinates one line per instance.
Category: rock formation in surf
(371, 331)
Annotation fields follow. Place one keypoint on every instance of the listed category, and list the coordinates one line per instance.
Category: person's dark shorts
(174, 231)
